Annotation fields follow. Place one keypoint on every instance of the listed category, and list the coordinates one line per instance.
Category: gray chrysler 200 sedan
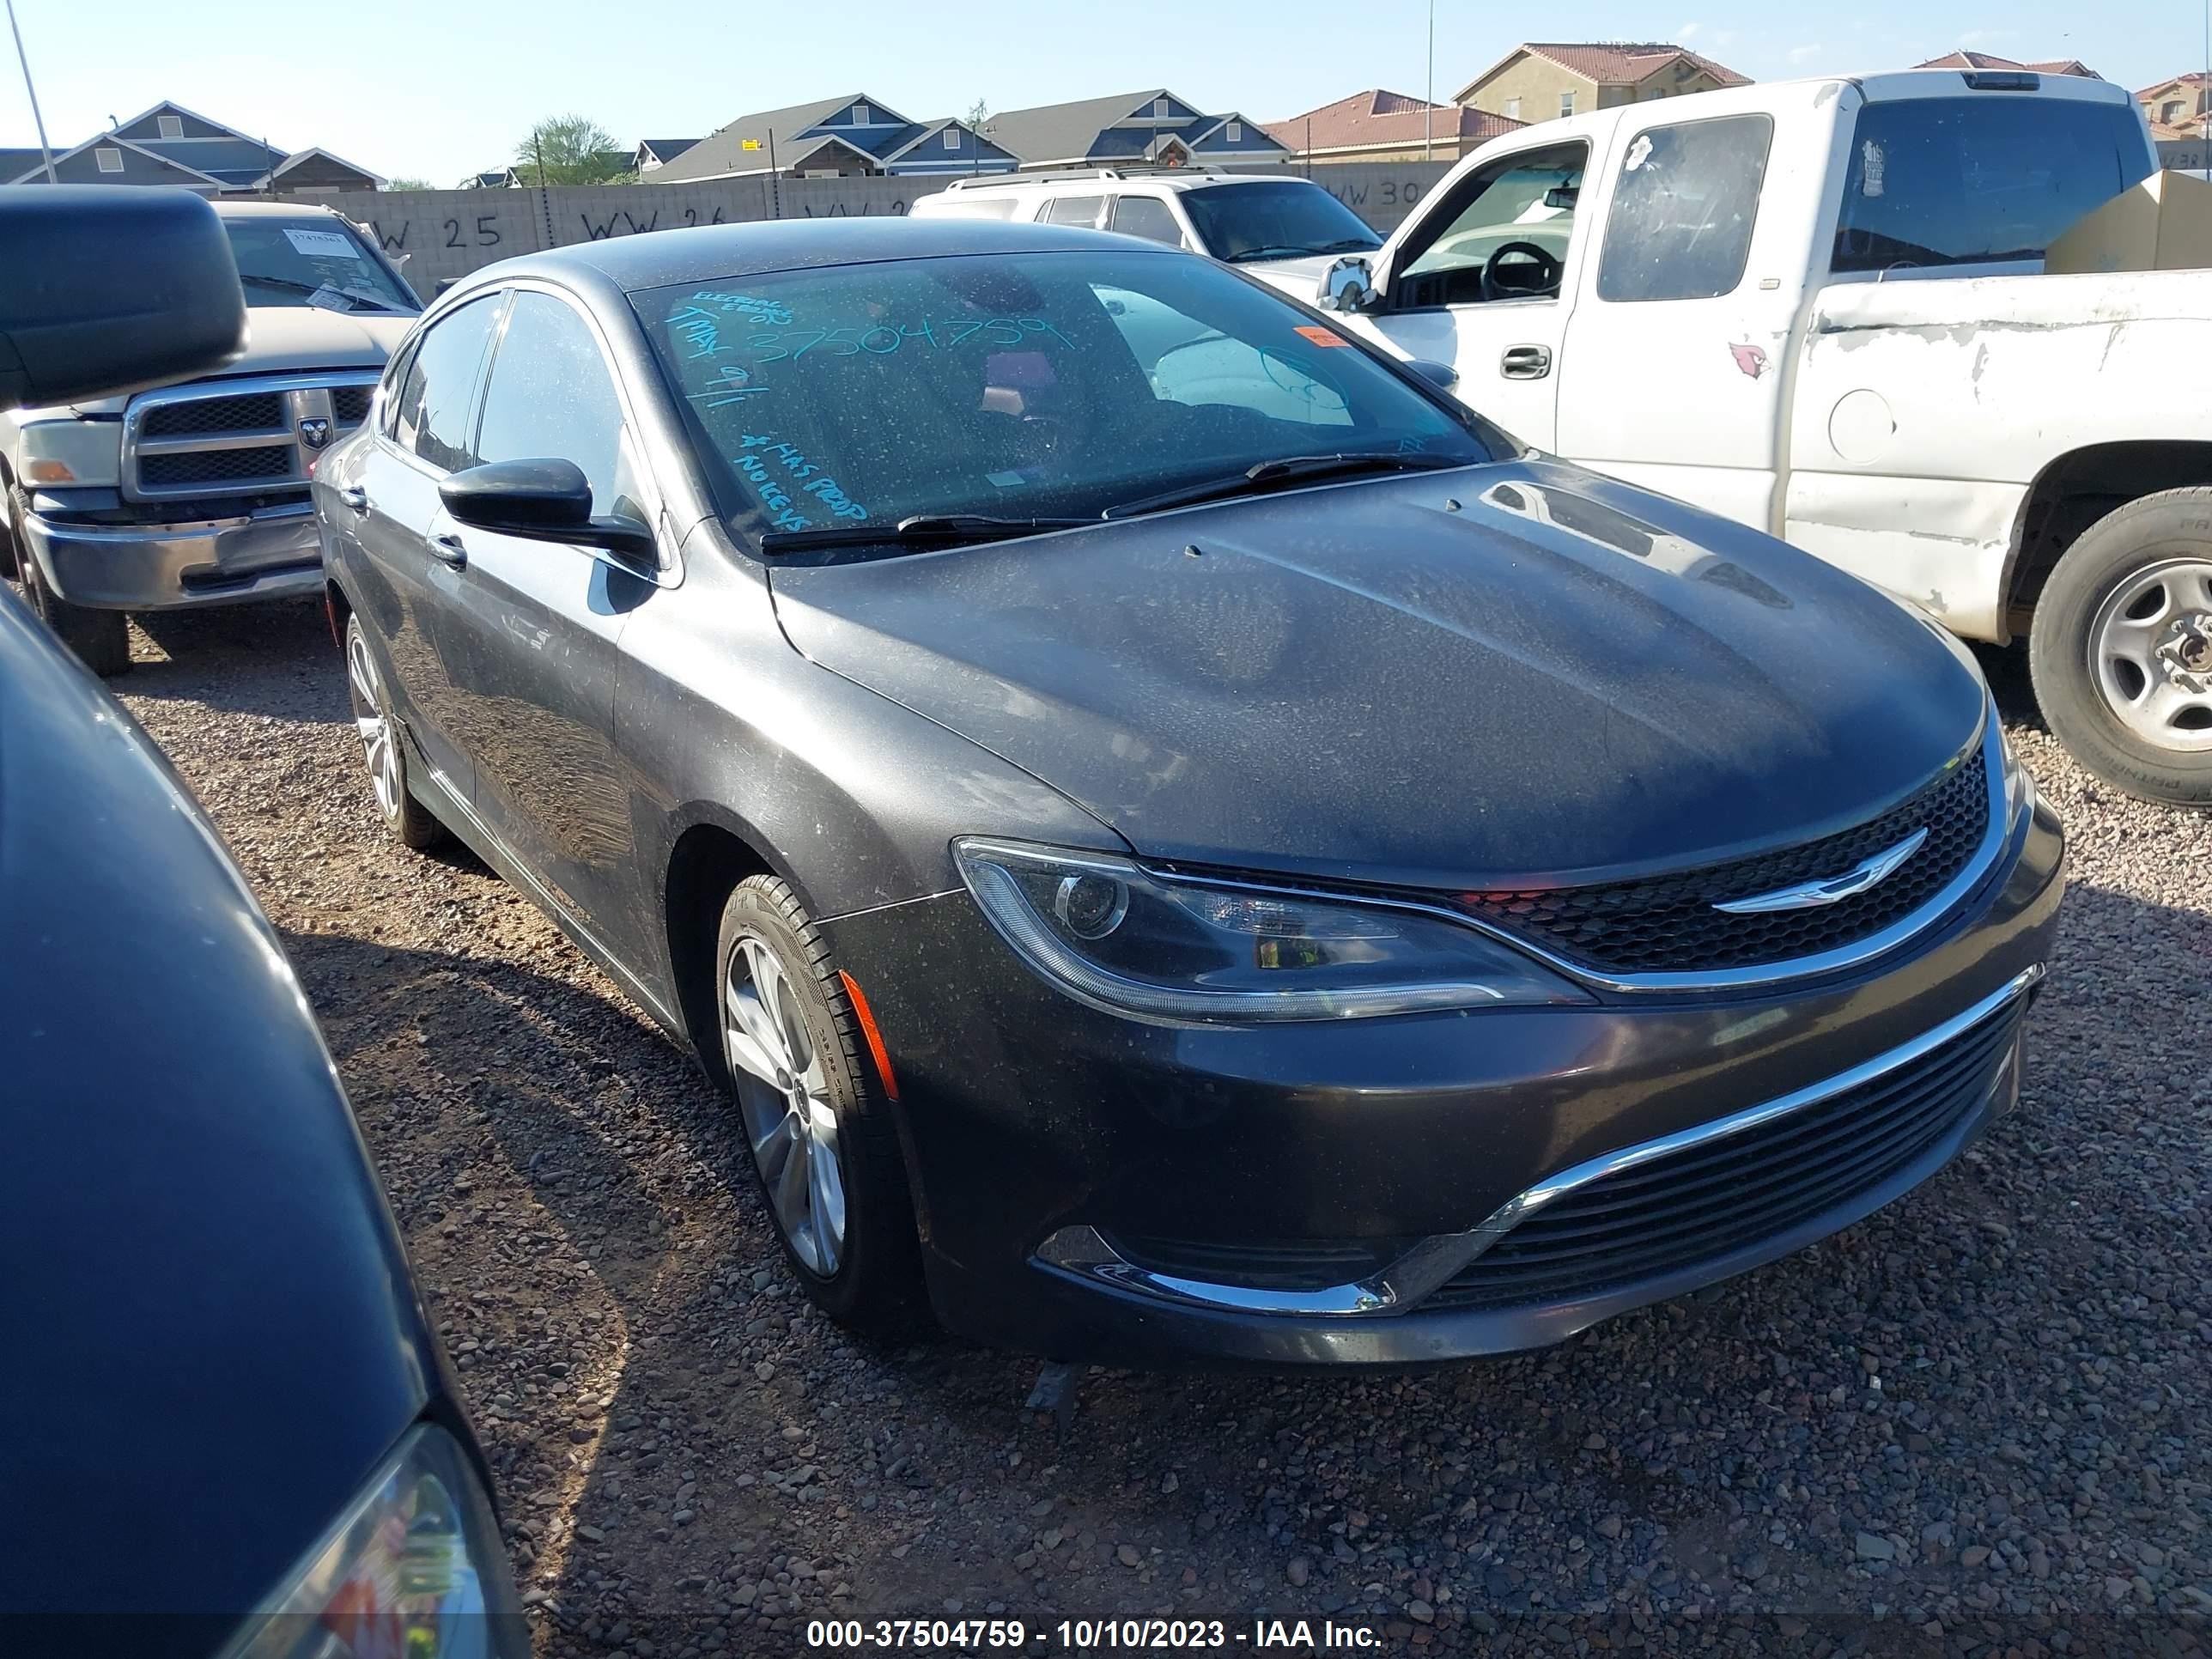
(1182, 842)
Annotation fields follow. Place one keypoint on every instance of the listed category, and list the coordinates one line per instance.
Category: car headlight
(2019, 781)
(412, 1569)
(72, 453)
(1178, 950)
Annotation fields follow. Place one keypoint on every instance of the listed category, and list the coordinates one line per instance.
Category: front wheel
(2121, 648)
(99, 639)
(819, 1124)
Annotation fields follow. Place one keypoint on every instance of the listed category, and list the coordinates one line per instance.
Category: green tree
(571, 149)
(409, 184)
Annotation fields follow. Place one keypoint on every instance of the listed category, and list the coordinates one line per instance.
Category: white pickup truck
(1819, 307)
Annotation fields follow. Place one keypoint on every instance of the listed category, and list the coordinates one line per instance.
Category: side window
(440, 384)
(1146, 216)
(550, 397)
(1504, 235)
(1683, 210)
(1073, 210)
(395, 377)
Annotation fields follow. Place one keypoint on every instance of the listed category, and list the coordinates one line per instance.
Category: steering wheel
(1549, 272)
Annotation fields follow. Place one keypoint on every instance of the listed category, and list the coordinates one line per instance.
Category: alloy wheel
(2151, 654)
(377, 741)
(784, 1095)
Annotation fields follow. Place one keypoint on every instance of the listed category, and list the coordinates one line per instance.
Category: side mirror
(1442, 376)
(547, 501)
(105, 291)
(1346, 285)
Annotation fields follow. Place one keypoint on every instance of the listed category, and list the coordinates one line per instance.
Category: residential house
(656, 153)
(2178, 108)
(854, 135)
(493, 178)
(1375, 125)
(1539, 80)
(1154, 128)
(1963, 59)
(170, 144)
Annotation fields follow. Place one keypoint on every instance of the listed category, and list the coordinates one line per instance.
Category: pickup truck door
(1483, 278)
(1678, 362)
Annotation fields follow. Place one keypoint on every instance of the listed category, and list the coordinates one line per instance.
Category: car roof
(1097, 184)
(229, 210)
(711, 252)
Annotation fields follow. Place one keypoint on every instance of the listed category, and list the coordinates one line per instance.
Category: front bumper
(274, 553)
(1049, 1146)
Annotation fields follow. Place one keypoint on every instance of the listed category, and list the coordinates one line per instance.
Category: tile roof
(1963, 59)
(1379, 117)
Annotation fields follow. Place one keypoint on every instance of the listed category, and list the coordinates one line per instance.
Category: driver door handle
(354, 497)
(1525, 362)
(448, 549)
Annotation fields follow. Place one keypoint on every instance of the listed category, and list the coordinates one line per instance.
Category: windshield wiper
(1291, 468)
(1273, 251)
(291, 287)
(919, 530)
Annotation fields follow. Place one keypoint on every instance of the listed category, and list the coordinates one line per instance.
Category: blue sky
(435, 88)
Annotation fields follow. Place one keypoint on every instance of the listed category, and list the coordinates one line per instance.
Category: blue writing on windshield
(802, 470)
(773, 313)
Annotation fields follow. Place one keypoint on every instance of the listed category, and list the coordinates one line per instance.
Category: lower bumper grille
(1716, 1197)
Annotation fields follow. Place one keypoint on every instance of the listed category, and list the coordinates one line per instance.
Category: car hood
(215, 1335)
(1300, 277)
(1512, 671)
(285, 339)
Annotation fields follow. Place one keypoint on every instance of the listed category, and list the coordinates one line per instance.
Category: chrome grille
(235, 437)
(1710, 1200)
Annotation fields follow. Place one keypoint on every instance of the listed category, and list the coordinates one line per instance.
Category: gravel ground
(1975, 1424)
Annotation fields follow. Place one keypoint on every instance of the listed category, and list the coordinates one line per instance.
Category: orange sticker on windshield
(1322, 337)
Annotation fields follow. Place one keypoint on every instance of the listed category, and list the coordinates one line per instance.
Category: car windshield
(1021, 385)
(1281, 219)
(311, 262)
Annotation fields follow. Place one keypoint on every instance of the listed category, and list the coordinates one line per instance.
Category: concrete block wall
(437, 234)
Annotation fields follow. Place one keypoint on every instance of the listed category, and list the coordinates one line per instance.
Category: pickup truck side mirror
(104, 291)
(1348, 284)
(546, 501)
(1442, 376)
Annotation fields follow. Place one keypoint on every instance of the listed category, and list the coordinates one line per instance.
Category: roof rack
(1059, 175)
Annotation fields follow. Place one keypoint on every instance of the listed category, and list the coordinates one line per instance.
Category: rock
(1420, 1612)
(1873, 1547)
(1609, 1527)
(1298, 1571)
(1973, 1555)
(1128, 1555)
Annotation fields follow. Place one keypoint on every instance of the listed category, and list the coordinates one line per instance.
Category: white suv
(1281, 227)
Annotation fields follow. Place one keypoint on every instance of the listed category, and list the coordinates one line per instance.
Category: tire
(849, 1236)
(382, 748)
(99, 639)
(2121, 648)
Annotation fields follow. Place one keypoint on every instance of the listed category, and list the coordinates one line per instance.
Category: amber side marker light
(866, 1016)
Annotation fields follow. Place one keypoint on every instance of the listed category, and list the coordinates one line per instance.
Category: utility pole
(39, 121)
(1429, 95)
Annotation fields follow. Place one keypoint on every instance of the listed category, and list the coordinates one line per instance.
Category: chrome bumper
(269, 556)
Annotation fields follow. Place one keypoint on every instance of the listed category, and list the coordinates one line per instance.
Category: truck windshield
(1986, 179)
(311, 262)
(1282, 219)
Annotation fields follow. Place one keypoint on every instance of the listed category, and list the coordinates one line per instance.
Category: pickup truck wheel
(816, 1123)
(2121, 648)
(99, 639)
(382, 748)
